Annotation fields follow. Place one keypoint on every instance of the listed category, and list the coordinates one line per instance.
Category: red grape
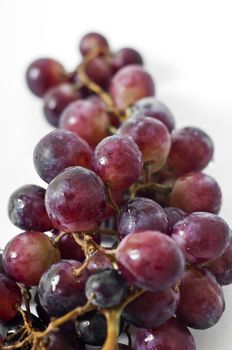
(91, 42)
(99, 71)
(99, 261)
(130, 84)
(10, 298)
(150, 260)
(124, 57)
(118, 161)
(44, 73)
(174, 215)
(196, 192)
(75, 200)
(222, 267)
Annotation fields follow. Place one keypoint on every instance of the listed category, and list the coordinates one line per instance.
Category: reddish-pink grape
(222, 267)
(125, 57)
(88, 119)
(152, 137)
(99, 71)
(201, 299)
(118, 161)
(172, 335)
(174, 215)
(92, 41)
(196, 192)
(26, 209)
(75, 200)
(202, 237)
(59, 150)
(56, 99)
(10, 298)
(99, 261)
(130, 84)
(150, 260)
(44, 73)
(185, 159)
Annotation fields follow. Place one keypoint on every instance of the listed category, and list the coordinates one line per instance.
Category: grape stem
(153, 185)
(110, 200)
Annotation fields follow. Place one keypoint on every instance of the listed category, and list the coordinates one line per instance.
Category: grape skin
(99, 71)
(125, 57)
(92, 41)
(174, 215)
(10, 297)
(222, 267)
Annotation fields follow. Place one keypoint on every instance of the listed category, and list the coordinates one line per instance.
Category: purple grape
(91, 328)
(26, 209)
(150, 260)
(196, 192)
(56, 99)
(43, 74)
(59, 340)
(10, 298)
(93, 41)
(98, 262)
(141, 214)
(28, 255)
(1, 263)
(152, 309)
(123, 347)
(118, 161)
(222, 267)
(118, 199)
(174, 215)
(130, 84)
(60, 290)
(124, 57)
(202, 237)
(152, 137)
(99, 71)
(59, 150)
(75, 200)
(201, 299)
(172, 335)
(151, 107)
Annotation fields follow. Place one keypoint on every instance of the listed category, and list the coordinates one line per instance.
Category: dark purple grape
(125, 57)
(10, 298)
(44, 73)
(150, 260)
(59, 340)
(222, 267)
(151, 107)
(172, 335)
(75, 200)
(192, 149)
(152, 309)
(141, 214)
(201, 299)
(118, 161)
(99, 71)
(196, 192)
(93, 41)
(28, 255)
(26, 209)
(43, 315)
(99, 261)
(86, 118)
(107, 288)
(130, 84)
(56, 99)
(91, 328)
(152, 137)
(59, 150)
(60, 290)
(202, 237)
(174, 215)
(123, 347)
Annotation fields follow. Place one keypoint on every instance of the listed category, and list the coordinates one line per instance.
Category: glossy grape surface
(222, 267)
(92, 41)
(125, 57)
(28, 255)
(174, 215)
(26, 209)
(59, 150)
(150, 260)
(10, 298)
(91, 328)
(75, 200)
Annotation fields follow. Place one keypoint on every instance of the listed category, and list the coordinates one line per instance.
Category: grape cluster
(126, 237)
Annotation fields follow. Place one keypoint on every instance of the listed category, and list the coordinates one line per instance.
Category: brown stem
(59, 237)
(27, 297)
(110, 200)
(153, 185)
(113, 321)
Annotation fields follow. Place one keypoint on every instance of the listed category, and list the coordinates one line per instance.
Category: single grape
(202, 237)
(184, 159)
(150, 260)
(91, 328)
(152, 309)
(28, 255)
(107, 288)
(151, 107)
(26, 209)
(140, 214)
(75, 200)
(59, 150)
(44, 73)
(118, 161)
(222, 267)
(99, 71)
(10, 298)
(99, 261)
(172, 335)
(201, 299)
(86, 118)
(56, 99)
(196, 192)
(93, 41)
(59, 340)
(174, 215)
(152, 137)
(60, 290)
(130, 84)
(124, 57)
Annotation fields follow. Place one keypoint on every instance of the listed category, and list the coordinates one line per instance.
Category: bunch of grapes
(126, 239)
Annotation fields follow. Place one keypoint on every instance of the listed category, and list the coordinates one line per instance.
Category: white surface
(187, 48)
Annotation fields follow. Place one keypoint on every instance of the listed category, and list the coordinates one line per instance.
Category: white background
(187, 48)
